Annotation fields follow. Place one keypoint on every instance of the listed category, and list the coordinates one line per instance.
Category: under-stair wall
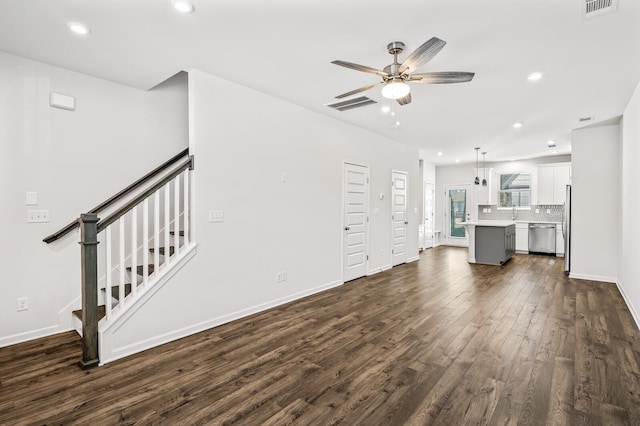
(73, 160)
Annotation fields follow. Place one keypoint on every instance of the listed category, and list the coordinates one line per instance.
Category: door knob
(346, 228)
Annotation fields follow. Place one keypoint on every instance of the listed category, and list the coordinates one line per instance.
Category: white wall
(629, 273)
(595, 201)
(74, 160)
(243, 141)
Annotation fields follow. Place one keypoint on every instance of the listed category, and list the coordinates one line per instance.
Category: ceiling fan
(396, 76)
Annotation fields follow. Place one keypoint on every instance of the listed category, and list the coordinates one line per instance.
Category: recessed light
(457, 160)
(555, 152)
(551, 143)
(385, 109)
(183, 6)
(513, 159)
(396, 124)
(535, 76)
(517, 124)
(78, 28)
(439, 153)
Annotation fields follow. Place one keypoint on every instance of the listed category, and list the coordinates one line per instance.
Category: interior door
(428, 215)
(399, 220)
(457, 210)
(356, 212)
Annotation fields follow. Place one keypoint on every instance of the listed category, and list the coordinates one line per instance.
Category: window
(515, 190)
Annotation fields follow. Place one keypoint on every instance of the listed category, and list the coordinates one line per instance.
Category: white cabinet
(559, 241)
(483, 193)
(522, 237)
(552, 182)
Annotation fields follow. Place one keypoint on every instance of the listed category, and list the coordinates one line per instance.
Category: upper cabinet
(552, 182)
(483, 194)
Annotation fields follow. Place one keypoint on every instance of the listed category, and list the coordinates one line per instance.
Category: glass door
(458, 203)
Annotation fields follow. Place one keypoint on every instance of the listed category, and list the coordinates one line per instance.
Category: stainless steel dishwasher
(542, 238)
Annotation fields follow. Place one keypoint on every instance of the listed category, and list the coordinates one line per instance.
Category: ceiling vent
(594, 8)
(352, 103)
(585, 119)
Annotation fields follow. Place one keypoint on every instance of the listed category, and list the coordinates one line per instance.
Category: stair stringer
(108, 327)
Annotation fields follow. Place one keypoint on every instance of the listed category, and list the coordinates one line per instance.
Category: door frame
(456, 241)
(368, 214)
(433, 211)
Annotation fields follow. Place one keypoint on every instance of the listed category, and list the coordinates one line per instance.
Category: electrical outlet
(284, 275)
(23, 304)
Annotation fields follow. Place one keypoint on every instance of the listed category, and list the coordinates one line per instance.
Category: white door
(428, 215)
(399, 217)
(457, 202)
(356, 212)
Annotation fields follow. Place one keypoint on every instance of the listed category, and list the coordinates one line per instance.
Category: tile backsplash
(552, 213)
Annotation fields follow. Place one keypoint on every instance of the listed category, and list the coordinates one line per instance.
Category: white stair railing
(126, 233)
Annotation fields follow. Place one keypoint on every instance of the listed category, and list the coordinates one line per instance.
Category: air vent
(585, 119)
(352, 103)
(593, 8)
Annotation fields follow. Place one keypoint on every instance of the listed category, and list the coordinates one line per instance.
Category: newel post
(89, 261)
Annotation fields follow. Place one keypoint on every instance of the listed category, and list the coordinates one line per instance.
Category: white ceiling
(284, 48)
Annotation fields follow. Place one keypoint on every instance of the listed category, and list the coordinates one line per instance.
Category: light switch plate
(37, 216)
(216, 216)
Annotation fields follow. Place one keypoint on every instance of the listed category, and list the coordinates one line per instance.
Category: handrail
(70, 227)
(124, 209)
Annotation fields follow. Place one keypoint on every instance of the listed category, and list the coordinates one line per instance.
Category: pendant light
(477, 180)
(484, 169)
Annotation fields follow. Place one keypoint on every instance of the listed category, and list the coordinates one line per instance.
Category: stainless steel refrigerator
(566, 231)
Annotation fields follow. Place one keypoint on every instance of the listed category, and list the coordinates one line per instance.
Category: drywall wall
(629, 273)
(74, 160)
(595, 199)
(244, 142)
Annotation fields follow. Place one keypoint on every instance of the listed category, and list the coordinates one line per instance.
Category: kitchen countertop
(496, 223)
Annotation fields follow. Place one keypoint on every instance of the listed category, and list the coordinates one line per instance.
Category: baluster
(107, 293)
(145, 243)
(185, 209)
(167, 214)
(134, 249)
(122, 267)
(156, 231)
(176, 213)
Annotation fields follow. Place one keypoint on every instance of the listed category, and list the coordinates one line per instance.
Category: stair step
(101, 313)
(139, 269)
(115, 291)
(174, 233)
(162, 250)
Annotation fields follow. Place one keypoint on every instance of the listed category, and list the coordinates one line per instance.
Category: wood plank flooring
(434, 342)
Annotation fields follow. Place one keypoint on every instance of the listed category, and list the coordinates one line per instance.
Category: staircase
(132, 252)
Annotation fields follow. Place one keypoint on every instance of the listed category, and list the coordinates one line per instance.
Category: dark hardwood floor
(434, 342)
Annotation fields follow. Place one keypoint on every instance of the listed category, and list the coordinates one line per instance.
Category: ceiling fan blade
(404, 100)
(422, 55)
(362, 89)
(442, 77)
(362, 68)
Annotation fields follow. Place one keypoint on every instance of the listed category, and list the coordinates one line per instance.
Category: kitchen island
(491, 242)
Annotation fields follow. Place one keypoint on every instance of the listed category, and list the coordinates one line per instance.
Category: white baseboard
(630, 306)
(413, 259)
(593, 278)
(32, 334)
(152, 342)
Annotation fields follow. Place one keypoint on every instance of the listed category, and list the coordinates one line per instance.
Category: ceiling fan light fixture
(395, 89)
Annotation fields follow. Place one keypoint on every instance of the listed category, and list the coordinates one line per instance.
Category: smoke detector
(595, 8)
